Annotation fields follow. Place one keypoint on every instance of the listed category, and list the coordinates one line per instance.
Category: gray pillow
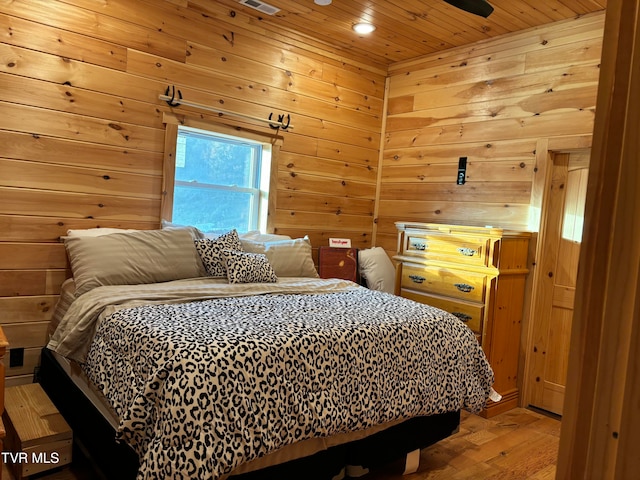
(291, 258)
(377, 269)
(132, 258)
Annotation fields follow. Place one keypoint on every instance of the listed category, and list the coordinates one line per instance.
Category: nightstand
(35, 429)
(338, 263)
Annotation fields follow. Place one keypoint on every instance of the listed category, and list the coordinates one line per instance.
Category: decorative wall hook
(173, 102)
(280, 123)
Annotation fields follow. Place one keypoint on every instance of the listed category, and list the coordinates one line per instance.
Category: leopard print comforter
(201, 387)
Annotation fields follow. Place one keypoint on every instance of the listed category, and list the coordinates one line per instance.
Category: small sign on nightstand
(340, 242)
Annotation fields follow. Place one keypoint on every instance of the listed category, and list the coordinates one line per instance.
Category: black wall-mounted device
(462, 170)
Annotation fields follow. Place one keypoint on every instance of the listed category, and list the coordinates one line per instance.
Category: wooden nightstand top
(3, 342)
(338, 263)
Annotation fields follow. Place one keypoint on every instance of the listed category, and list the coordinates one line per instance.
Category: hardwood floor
(519, 444)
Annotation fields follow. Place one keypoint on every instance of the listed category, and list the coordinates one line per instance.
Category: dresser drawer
(471, 315)
(443, 281)
(464, 250)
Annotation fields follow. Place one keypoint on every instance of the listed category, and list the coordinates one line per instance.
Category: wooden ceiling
(405, 29)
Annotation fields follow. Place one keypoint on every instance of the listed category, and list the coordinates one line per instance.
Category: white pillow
(255, 242)
(291, 258)
(98, 232)
(377, 269)
(257, 236)
(195, 233)
(251, 246)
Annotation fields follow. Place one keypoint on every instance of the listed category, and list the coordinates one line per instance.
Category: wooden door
(561, 236)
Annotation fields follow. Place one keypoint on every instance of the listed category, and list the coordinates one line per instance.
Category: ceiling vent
(261, 6)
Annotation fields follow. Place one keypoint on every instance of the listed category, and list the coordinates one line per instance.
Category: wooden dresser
(478, 274)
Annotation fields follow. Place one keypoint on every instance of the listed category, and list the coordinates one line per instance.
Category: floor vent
(261, 6)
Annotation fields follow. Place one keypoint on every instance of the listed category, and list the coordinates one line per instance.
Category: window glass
(215, 160)
(217, 183)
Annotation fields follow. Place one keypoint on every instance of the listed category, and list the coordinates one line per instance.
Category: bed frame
(95, 436)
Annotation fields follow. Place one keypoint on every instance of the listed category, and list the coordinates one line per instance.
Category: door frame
(545, 153)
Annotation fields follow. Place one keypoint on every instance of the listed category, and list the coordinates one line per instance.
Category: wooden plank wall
(82, 138)
(492, 102)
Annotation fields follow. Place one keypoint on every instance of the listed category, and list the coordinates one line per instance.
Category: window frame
(173, 122)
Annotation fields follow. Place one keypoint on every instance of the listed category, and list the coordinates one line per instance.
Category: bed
(187, 357)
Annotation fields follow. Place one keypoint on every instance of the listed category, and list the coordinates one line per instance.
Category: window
(220, 181)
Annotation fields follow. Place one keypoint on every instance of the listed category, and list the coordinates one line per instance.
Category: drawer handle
(417, 278)
(419, 245)
(463, 287)
(462, 316)
(467, 252)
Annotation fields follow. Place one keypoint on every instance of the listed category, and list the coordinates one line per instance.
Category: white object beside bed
(377, 269)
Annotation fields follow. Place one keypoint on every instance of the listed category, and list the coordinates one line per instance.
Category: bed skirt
(95, 436)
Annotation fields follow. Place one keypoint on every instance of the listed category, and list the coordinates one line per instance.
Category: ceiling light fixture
(322, 2)
(363, 28)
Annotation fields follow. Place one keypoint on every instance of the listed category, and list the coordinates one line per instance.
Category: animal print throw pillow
(210, 250)
(243, 267)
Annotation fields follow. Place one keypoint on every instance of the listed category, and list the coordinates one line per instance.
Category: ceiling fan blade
(477, 7)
